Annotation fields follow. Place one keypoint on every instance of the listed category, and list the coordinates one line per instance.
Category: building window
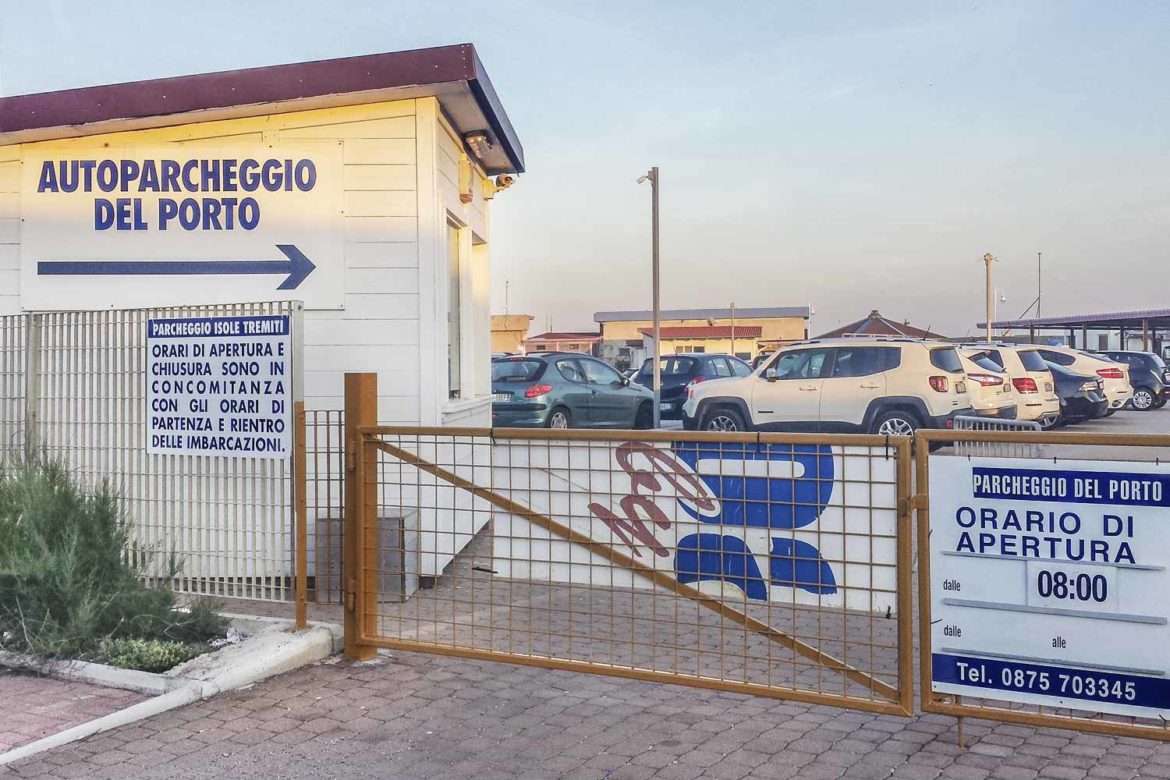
(574, 347)
(454, 311)
(540, 347)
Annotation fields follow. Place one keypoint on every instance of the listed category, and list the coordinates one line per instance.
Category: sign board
(1048, 582)
(806, 524)
(219, 386)
(139, 226)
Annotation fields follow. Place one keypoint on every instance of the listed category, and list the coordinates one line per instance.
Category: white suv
(889, 386)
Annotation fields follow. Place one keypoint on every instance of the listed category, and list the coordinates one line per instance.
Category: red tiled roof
(706, 332)
(565, 336)
(877, 325)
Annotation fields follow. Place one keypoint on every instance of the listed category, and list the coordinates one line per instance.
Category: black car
(684, 370)
(1148, 375)
(1082, 397)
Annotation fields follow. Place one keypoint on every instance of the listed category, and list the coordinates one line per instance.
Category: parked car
(1115, 375)
(1148, 375)
(1036, 398)
(1082, 396)
(989, 387)
(566, 390)
(685, 370)
(888, 386)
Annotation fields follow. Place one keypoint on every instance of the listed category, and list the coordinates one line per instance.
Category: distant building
(741, 341)
(508, 332)
(877, 325)
(625, 342)
(562, 341)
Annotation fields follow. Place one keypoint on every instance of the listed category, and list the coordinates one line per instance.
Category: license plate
(1048, 387)
(665, 407)
(960, 387)
(502, 397)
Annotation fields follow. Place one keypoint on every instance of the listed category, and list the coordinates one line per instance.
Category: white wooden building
(404, 149)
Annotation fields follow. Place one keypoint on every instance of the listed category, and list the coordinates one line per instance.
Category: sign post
(1047, 583)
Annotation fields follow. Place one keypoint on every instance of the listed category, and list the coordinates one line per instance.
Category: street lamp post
(652, 176)
(733, 328)
(988, 259)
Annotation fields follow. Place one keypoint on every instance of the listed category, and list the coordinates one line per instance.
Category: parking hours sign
(219, 386)
(1048, 582)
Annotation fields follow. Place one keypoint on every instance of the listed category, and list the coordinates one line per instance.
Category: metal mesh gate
(760, 564)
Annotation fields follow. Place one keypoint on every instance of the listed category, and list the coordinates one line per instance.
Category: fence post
(32, 386)
(361, 409)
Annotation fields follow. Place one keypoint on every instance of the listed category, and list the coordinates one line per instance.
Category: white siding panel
(10, 177)
(339, 332)
(9, 231)
(382, 280)
(396, 127)
(9, 205)
(389, 382)
(360, 357)
(403, 254)
(10, 282)
(379, 151)
(392, 409)
(380, 177)
(381, 307)
(380, 229)
(386, 203)
(9, 257)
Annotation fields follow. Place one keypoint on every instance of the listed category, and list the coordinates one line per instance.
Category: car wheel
(644, 417)
(1160, 403)
(1109, 412)
(1048, 423)
(1143, 399)
(560, 418)
(723, 419)
(895, 423)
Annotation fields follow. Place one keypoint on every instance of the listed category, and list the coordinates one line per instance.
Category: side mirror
(771, 375)
(624, 381)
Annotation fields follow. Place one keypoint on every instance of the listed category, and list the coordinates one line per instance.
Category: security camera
(505, 180)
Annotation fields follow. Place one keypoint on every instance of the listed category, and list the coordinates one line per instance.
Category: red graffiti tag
(639, 507)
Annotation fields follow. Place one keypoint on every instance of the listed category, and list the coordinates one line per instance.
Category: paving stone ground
(427, 716)
(32, 707)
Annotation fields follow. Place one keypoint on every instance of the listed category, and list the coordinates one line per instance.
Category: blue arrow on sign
(295, 265)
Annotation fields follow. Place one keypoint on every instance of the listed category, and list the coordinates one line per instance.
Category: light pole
(988, 259)
(652, 176)
(733, 328)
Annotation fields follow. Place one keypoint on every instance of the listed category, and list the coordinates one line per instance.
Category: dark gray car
(1148, 375)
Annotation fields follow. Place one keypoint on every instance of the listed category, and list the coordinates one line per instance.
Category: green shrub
(148, 655)
(68, 575)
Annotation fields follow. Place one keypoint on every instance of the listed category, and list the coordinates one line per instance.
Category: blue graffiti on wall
(751, 496)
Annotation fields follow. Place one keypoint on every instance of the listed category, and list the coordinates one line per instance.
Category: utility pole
(652, 176)
(988, 259)
(733, 328)
(1039, 279)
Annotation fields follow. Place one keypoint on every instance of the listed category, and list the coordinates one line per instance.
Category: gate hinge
(917, 501)
(351, 594)
(350, 460)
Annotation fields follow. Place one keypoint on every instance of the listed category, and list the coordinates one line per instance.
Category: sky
(851, 155)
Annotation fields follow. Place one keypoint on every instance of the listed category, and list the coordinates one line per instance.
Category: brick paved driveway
(420, 716)
(32, 707)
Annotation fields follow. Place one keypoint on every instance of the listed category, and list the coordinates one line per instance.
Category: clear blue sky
(856, 155)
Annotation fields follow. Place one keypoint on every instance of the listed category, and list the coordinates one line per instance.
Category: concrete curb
(274, 649)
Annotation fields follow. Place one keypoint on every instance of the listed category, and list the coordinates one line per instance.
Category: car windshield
(947, 359)
(1159, 364)
(1032, 360)
(516, 370)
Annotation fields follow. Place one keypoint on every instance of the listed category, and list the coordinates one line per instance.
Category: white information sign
(220, 386)
(1049, 582)
(162, 225)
